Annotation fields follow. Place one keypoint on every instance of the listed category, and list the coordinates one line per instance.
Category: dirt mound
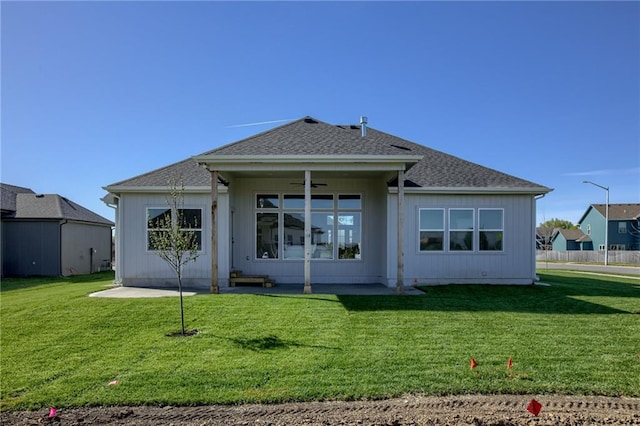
(410, 410)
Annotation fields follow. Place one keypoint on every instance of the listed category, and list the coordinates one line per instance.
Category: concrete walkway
(337, 289)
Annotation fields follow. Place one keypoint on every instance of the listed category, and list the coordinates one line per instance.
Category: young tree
(172, 237)
(559, 223)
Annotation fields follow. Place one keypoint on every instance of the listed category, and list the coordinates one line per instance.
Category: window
(622, 227)
(460, 232)
(490, 226)
(461, 229)
(431, 229)
(349, 236)
(267, 235)
(335, 226)
(322, 235)
(160, 220)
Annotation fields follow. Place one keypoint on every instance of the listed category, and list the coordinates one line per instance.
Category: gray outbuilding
(49, 235)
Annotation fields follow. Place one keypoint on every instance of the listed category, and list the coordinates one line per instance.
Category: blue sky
(97, 92)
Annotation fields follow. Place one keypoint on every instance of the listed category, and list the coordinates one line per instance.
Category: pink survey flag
(534, 407)
(52, 412)
(113, 383)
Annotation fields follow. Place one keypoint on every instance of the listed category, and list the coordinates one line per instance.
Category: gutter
(538, 191)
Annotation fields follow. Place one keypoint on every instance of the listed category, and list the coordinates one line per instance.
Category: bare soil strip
(409, 410)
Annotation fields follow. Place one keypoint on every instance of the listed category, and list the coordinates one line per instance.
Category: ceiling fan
(313, 184)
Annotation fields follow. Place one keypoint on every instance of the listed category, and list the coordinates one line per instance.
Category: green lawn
(580, 335)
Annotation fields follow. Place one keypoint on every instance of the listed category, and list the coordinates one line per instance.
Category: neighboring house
(310, 202)
(624, 226)
(50, 235)
(570, 239)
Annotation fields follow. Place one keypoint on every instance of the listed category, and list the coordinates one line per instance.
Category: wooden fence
(577, 256)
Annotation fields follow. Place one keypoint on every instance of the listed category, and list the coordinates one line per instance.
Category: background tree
(172, 237)
(559, 223)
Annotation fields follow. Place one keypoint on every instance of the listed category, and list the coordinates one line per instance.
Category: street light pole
(606, 221)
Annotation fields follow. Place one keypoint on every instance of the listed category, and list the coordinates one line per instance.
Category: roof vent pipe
(363, 125)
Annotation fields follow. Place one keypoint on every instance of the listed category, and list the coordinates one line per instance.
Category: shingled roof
(8, 194)
(618, 211)
(573, 235)
(308, 136)
(23, 203)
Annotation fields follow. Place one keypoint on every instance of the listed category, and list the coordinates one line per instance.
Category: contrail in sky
(631, 171)
(260, 122)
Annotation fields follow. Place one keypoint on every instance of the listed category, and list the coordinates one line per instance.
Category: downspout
(62, 223)
(535, 253)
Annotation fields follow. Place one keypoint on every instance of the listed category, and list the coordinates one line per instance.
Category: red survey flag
(534, 407)
(509, 363)
(52, 412)
(474, 364)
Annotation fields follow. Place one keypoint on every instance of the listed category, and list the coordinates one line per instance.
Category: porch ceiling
(321, 166)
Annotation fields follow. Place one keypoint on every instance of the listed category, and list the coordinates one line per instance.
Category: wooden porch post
(400, 282)
(214, 232)
(307, 232)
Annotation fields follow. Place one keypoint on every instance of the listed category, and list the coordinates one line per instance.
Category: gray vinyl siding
(139, 266)
(77, 240)
(513, 265)
(31, 248)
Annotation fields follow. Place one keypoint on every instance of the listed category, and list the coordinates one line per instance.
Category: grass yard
(580, 335)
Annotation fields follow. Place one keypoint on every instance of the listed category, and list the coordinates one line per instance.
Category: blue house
(570, 239)
(624, 226)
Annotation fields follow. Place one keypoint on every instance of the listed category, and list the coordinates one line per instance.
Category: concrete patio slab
(337, 289)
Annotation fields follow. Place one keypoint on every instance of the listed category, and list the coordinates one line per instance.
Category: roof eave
(475, 190)
(119, 189)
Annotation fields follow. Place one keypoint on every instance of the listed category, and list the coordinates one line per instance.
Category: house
(570, 239)
(624, 226)
(315, 203)
(49, 235)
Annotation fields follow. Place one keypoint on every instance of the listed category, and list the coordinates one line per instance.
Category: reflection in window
(294, 234)
(335, 226)
(322, 235)
(267, 201)
(490, 229)
(349, 239)
(349, 202)
(431, 229)
(267, 235)
(461, 229)
(160, 220)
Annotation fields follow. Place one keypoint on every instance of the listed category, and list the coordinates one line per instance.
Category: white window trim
(474, 230)
(447, 230)
(281, 210)
(622, 229)
(445, 240)
(480, 209)
(200, 229)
